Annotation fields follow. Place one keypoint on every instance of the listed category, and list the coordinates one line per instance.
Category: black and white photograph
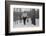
(24, 17)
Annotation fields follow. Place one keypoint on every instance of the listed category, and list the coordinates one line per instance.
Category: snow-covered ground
(28, 24)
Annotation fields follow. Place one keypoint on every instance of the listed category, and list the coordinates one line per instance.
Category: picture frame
(11, 6)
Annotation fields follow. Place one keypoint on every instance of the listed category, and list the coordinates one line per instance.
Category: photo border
(7, 21)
